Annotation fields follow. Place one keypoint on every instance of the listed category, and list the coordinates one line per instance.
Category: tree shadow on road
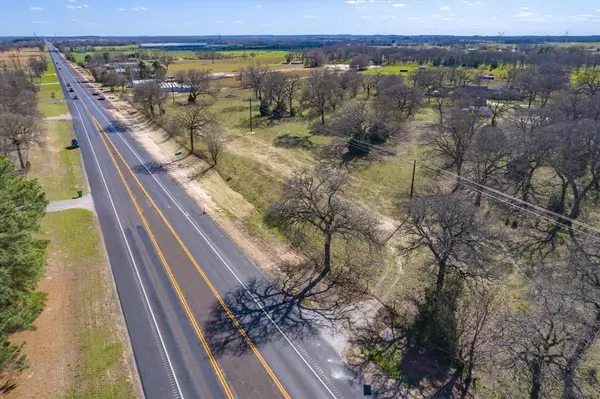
(268, 310)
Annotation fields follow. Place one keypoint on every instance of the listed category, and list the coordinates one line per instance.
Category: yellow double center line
(188, 311)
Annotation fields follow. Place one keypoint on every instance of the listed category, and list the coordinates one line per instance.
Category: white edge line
(213, 249)
(130, 253)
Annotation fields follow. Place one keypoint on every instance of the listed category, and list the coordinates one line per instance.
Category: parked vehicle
(101, 97)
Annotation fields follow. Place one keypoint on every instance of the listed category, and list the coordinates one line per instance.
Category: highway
(184, 287)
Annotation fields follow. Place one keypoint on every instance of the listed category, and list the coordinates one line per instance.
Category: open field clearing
(45, 93)
(58, 169)
(50, 109)
(226, 65)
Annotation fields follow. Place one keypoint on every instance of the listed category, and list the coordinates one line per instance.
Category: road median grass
(45, 92)
(101, 370)
(49, 109)
(57, 168)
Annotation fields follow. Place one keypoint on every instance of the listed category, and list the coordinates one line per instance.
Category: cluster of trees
(22, 259)
(19, 119)
(192, 121)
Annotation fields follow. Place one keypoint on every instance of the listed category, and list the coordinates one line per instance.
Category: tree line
(22, 206)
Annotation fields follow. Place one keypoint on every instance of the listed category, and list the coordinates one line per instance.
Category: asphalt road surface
(202, 319)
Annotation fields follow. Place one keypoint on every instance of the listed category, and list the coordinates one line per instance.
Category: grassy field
(101, 369)
(46, 91)
(57, 168)
(53, 108)
(226, 65)
(48, 78)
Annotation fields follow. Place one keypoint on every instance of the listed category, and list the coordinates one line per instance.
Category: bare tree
(199, 82)
(194, 118)
(273, 91)
(454, 237)
(20, 131)
(290, 90)
(399, 101)
(351, 81)
(360, 62)
(533, 343)
(314, 59)
(530, 148)
(476, 333)
(486, 156)
(316, 203)
(253, 76)
(150, 95)
(371, 82)
(499, 109)
(215, 140)
(458, 77)
(359, 123)
(452, 138)
(320, 95)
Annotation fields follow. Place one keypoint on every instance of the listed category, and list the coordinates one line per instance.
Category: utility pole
(412, 182)
(250, 115)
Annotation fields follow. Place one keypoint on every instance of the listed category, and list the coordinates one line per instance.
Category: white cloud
(259, 6)
(444, 8)
(388, 17)
(71, 1)
(436, 16)
(528, 16)
(121, 9)
(238, 22)
(448, 19)
(472, 3)
(414, 19)
(361, 7)
(524, 14)
(81, 7)
(524, 8)
(398, 5)
(583, 17)
(354, 1)
(309, 16)
(85, 6)
(140, 8)
(36, 8)
(367, 17)
(220, 22)
(39, 22)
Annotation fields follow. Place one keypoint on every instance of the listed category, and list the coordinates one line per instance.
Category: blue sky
(202, 17)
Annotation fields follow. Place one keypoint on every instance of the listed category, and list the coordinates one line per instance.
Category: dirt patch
(52, 349)
(63, 117)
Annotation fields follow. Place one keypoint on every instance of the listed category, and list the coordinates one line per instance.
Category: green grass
(46, 91)
(49, 79)
(389, 364)
(380, 184)
(100, 371)
(256, 182)
(53, 108)
(224, 65)
(57, 169)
